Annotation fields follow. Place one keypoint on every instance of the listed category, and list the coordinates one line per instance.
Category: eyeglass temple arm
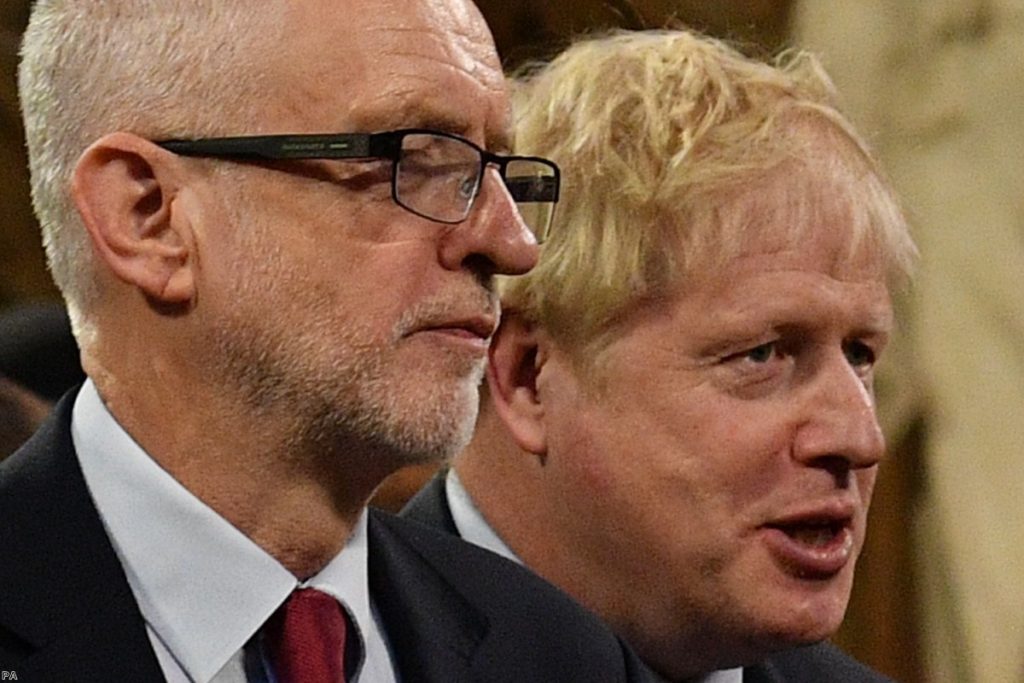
(275, 147)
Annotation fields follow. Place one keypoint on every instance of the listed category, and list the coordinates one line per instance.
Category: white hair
(156, 68)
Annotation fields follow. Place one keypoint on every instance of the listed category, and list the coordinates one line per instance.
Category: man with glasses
(275, 226)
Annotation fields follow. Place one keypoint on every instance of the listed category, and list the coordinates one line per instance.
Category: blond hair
(156, 68)
(654, 131)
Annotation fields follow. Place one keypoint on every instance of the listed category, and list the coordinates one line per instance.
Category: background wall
(22, 273)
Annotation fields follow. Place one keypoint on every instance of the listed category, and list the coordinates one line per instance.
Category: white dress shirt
(203, 587)
(472, 526)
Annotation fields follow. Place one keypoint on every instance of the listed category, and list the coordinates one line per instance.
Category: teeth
(812, 535)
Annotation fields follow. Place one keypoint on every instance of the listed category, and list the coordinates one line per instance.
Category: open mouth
(812, 548)
(816, 534)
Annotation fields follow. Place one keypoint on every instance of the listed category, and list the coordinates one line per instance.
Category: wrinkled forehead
(379, 64)
(470, 45)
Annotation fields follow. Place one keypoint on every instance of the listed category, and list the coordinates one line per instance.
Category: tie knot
(305, 638)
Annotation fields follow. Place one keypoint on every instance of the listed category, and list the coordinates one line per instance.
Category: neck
(296, 497)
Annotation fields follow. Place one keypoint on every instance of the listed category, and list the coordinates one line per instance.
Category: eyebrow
(431, 116)
(494, 141)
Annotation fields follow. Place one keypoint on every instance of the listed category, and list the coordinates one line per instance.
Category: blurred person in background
(38, 363)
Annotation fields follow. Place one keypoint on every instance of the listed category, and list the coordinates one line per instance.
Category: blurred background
(938, 87)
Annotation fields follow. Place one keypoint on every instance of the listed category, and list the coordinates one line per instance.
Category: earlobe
(512, 382)
(124, 191)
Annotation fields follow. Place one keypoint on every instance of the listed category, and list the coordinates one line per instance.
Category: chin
(442, 429)
(811, 620)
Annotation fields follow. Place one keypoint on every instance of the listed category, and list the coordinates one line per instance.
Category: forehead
(818, 282)
(823, 203)
(798, 242)
(370, 65)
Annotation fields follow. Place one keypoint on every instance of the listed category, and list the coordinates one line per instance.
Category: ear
(124, 188)
(515, 359)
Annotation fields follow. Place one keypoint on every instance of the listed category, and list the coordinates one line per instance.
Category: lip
(475, 331)
(814, 543)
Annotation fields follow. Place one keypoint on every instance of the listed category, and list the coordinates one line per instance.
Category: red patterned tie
(305, 638)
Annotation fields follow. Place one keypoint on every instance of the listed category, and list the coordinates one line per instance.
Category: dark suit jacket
(821, 663)
(452, 612)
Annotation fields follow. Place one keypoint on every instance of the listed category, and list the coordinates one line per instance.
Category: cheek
(754, 445)
(866, 484)
(372, 285)
(584, 457)
(630, 461)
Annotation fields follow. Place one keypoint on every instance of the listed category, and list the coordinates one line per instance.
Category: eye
(760, 354)
(859, 354)
(756, 370)
(467, 186)
(760, 357)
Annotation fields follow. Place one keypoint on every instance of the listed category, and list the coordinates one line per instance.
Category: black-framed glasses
(435, 175)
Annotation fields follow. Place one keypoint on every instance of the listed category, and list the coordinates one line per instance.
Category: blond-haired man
(680, 426)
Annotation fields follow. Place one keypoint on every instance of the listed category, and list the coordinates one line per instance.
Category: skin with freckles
(293, 307)
(703, 481)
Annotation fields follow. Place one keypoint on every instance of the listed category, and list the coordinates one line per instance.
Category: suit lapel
(455, 612)
(67, 612)
(434, 631)
(430, 506)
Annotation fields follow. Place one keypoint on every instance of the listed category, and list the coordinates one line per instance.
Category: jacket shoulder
(66, 610)
(507, 623)
(816, 663)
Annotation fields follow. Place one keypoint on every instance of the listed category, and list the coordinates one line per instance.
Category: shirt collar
(724, 676)
(470, 522)
(202, 585)
(473, 527)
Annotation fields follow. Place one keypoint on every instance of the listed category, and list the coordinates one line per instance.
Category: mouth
(812, 533)
(474, 331)
(813, 545)
(457, 320)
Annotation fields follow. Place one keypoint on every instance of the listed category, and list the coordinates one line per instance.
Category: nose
(841, 429)
(494, 239)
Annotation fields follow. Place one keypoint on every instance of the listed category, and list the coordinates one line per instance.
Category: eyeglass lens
(532, 184)
(438, 177)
